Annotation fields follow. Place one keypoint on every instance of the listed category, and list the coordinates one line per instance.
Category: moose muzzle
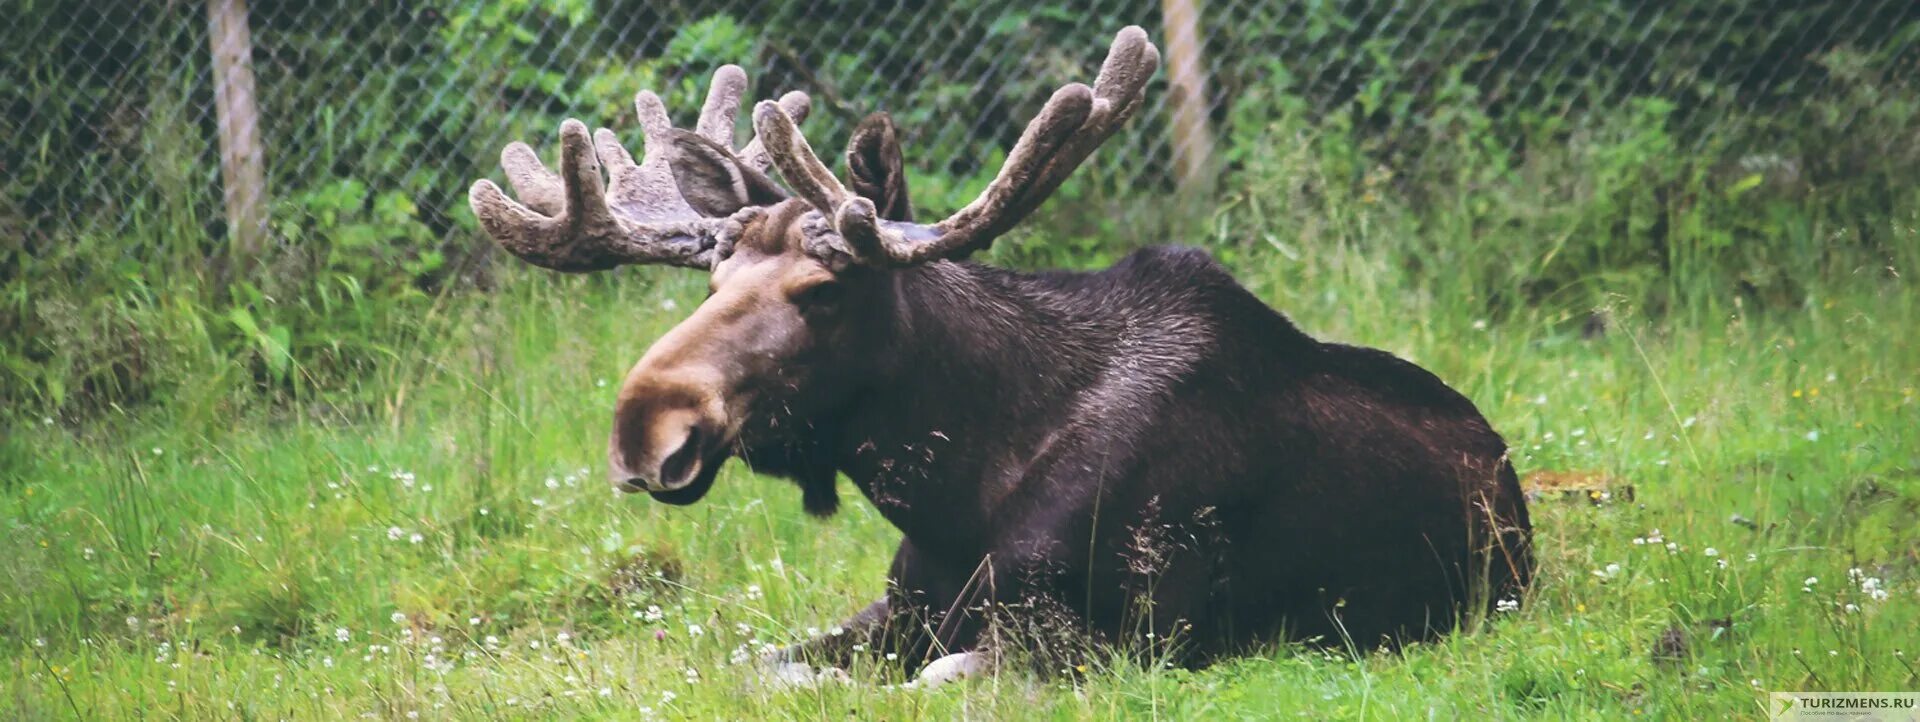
(669, 434)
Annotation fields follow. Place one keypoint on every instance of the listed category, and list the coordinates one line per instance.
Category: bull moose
(1147, 449)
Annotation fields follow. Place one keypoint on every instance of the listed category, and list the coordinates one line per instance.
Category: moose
(1143, 450)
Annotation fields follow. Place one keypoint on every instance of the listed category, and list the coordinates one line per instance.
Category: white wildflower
(1872, 587)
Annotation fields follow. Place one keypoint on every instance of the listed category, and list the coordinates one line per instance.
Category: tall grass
(434, 536)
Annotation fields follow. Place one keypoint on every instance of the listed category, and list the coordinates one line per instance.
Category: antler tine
(1117, 93)
(1074, 122)
(531, 180)
(796, 105)
(796, 160)
(723, 103)
(573, 221)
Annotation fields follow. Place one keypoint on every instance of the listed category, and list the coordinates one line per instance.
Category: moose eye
(820, 295)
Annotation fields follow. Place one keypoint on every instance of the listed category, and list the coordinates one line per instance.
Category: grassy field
(1744, 484)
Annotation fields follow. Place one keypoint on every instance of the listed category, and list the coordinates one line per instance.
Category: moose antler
(1074, 122)
(572, 222)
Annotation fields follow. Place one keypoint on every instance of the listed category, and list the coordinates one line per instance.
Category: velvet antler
(573, 221)
(1074, 122)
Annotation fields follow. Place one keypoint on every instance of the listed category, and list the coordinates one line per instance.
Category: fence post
(242, 159)
(1187, 83)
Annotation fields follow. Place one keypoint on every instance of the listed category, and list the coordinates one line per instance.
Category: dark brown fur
(1149, 448)
(1033, 428)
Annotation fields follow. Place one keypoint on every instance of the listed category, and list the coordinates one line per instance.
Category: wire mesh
(376, 115)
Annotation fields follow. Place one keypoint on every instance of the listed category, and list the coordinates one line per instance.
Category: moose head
(801, 276)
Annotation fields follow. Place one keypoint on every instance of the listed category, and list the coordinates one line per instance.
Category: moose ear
(878, 173)
(712, 180)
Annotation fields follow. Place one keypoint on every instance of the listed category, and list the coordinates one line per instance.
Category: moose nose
(670, 420)
(680, 466)
(634, 472)
(659, 449)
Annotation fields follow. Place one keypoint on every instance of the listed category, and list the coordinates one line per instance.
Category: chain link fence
(373, 117)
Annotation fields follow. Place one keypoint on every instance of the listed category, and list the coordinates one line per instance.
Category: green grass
(445, 543)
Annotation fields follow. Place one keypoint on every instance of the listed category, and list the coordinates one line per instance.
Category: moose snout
(662, 441)
(675, 470)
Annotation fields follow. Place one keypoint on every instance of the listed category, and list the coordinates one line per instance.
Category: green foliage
(1621, 205)
(1566, 158)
